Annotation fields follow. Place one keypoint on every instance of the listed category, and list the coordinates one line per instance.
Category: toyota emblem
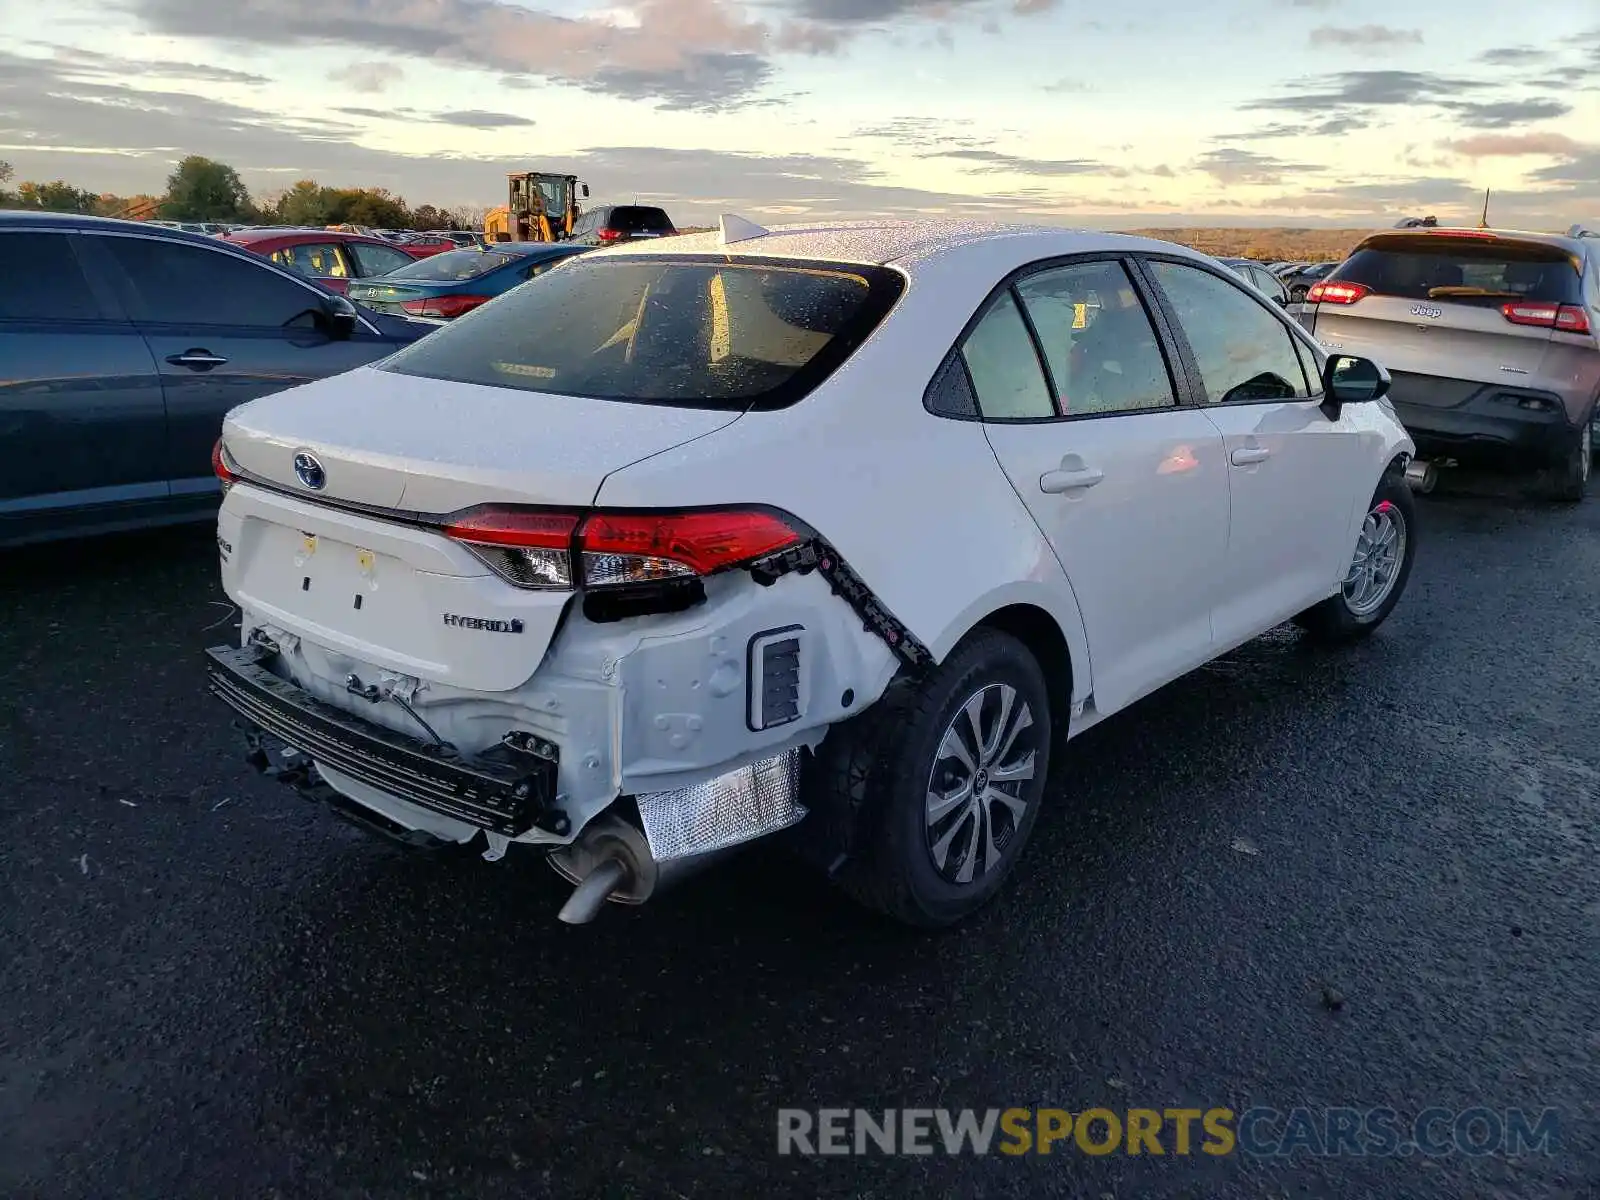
(309, 471)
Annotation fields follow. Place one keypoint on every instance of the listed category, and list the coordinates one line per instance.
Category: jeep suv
(1489, 336)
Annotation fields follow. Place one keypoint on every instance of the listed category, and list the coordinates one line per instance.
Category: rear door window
(1102, 350)
(1486, 272)
(313, 258)
(703, 332)
(1004, 367)
(40, 280)
(180, 284)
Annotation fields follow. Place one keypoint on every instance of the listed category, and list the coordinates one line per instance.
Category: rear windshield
(1488, 271)
(453, 265)
(633, 218)
(701, 332)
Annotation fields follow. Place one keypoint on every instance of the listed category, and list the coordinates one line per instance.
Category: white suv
(847, 529)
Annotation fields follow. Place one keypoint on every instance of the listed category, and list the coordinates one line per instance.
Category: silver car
(1490, 337)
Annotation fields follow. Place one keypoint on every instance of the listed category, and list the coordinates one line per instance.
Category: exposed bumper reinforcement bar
(509, 796)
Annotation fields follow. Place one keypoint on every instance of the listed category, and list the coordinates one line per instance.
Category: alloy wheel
(1375, 567)
(981, 770)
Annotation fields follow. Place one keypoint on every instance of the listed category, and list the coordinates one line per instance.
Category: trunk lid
(435, 446)
(395, 593)
(1435, 338)
(391, 297)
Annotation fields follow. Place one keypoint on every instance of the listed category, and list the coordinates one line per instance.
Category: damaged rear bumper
(508, 792)
(371, 775)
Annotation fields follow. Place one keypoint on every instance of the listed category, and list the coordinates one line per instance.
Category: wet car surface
(1295, 877)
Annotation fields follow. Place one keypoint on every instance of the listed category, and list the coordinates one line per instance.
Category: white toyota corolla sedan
(842, 530)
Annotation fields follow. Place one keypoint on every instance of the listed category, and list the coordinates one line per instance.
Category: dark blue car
(445, 286)
(122, 345)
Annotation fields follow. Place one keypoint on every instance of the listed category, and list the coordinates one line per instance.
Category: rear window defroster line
(817, 555)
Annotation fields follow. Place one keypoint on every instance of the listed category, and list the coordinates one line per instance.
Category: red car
(333, 259)
(426, 245)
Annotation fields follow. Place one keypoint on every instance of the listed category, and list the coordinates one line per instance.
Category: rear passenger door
(224, 329)
(1079, 405)
(1290, 469)
(81, 417)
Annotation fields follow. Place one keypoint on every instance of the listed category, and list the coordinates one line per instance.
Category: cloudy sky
(1311, 112)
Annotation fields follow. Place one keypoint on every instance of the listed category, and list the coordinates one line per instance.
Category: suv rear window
(1464, 270)
(705, 332)
(635, 218)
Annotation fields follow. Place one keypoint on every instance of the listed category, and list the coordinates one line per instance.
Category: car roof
(248, 237)
(907, 243)
(44, 220)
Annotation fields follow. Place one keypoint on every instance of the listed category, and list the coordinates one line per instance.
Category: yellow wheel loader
(541, 207)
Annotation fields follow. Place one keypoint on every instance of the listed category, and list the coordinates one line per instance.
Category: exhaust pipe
(1421, 476)
(611, 861)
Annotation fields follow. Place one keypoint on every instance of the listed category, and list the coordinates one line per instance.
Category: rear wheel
(1378, 570)
(949, 772)
(1568, 480)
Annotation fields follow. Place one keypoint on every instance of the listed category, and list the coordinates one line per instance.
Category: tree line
(202, 189)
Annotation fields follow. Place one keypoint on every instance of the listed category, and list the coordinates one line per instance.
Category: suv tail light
(561, 551)
(1568, 318)
(609, 235)
(447, 307)
(222, 466)
(1336, 291)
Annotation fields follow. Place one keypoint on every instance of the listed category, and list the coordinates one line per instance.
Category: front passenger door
(224, 329)
(1289, 467)
(1128, 487)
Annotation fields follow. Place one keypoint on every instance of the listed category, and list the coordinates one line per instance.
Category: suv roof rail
(1582, 231)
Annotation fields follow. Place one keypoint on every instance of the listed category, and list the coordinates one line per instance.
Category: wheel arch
(1048, 622)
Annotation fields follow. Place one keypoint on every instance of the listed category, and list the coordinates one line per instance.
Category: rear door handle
(1251, 454)
(1053, 483)
(199, 360)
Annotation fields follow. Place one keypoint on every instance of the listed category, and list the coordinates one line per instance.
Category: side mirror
(584, 187)
(341, 317)
(1347, 379)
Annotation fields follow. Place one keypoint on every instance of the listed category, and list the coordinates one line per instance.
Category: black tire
(1335, 620)
(1567, 482)
(881, 765)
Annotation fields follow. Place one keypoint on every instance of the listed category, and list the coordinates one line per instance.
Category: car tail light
(1568, 318)
(528, 548)
(539, 549)
(623, 548)
(1335, 291)
(447, 307)
(222, 466)
(609, 235)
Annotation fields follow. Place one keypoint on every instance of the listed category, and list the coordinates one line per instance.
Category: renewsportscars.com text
(1259, 1132)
